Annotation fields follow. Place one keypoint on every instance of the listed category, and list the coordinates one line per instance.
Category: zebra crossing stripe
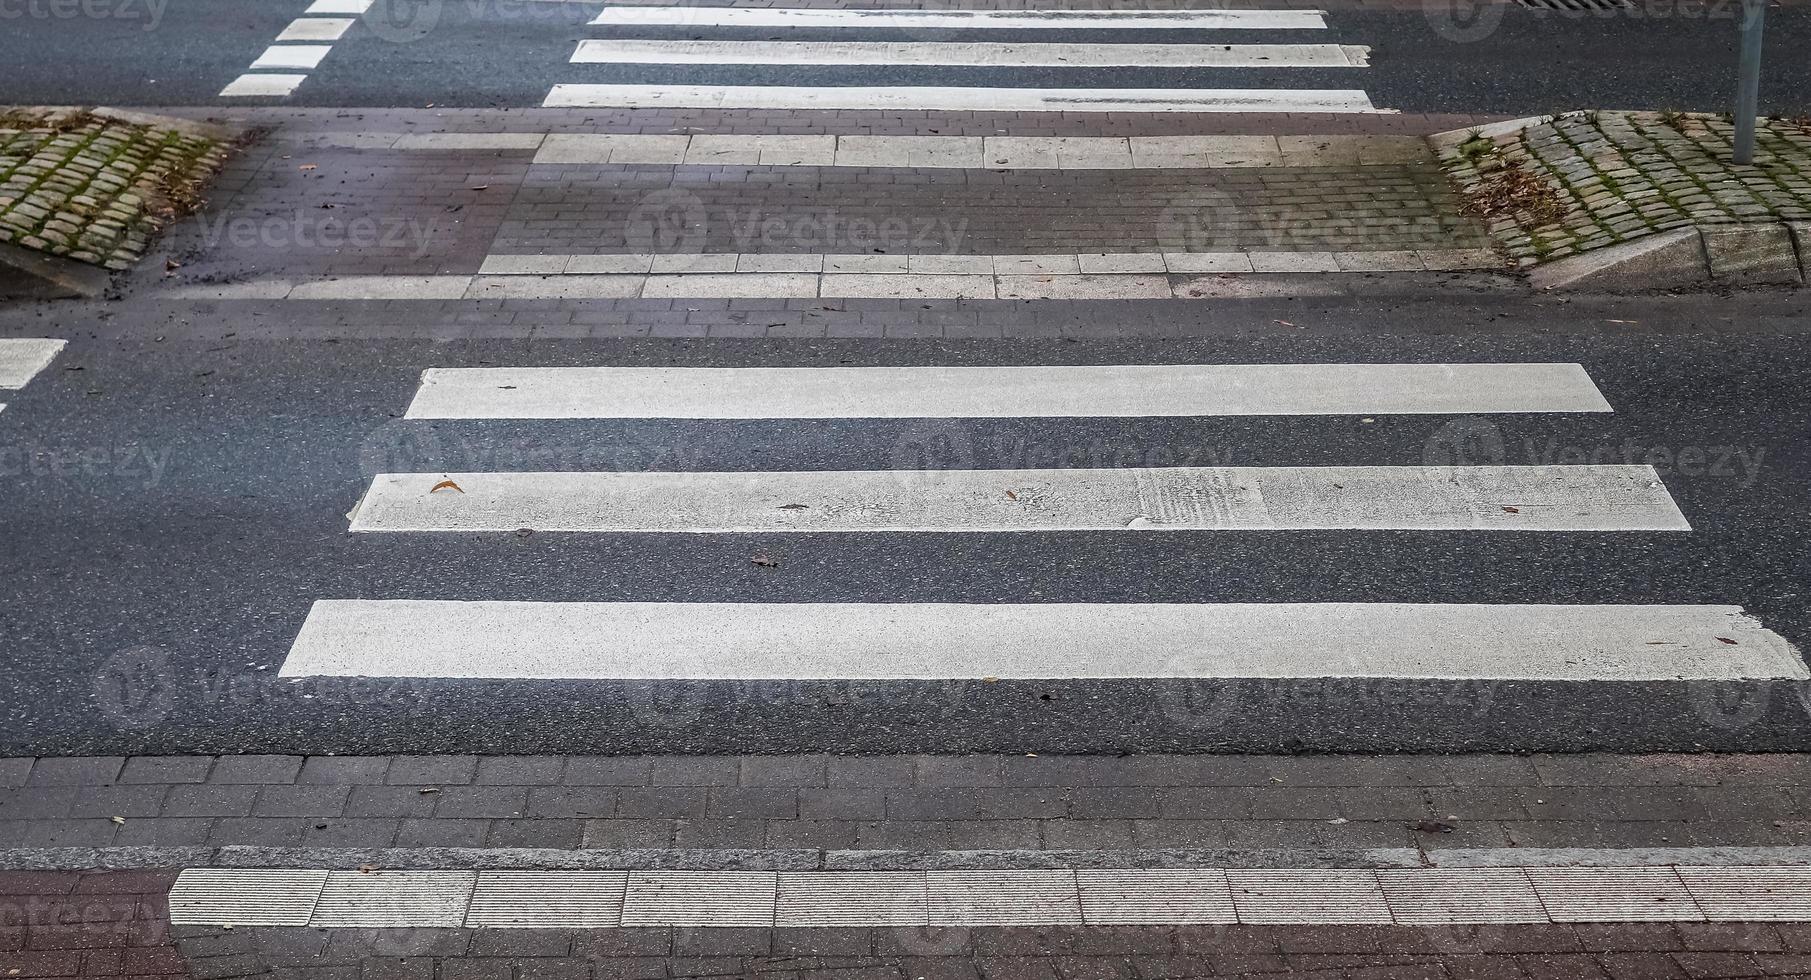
(22, 358)
(699, 16)
(1258, 498)
(906, 97)
(648, 641)
(1096, 391)
(991, 55)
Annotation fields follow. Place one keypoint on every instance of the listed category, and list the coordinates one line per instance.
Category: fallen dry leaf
(1725, 639)
(1435, 827)
(306, 166)
(764, 561)
(793, 507)
(1511, 510)
(480, 187)
(445, 485)
(1011, 496)
(119, 820)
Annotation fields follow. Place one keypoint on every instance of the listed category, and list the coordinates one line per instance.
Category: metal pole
(1748, 89)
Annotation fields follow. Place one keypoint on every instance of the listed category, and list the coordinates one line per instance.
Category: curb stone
(29, 274)
(1729, 255)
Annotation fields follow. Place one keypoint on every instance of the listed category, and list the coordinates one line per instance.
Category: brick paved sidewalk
(1228, 804)
(313, 201)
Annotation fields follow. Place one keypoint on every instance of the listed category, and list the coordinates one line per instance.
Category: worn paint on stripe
(302, 56)
(699, 16)
(953, 99)
(1096, 391)
(22, 358)
(1227, 498)
(1008, 54)
(1118, 897)
(255, 86)
(1045, 641)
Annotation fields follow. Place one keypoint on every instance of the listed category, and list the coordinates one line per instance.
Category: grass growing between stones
(96, 189)
(1577, 182)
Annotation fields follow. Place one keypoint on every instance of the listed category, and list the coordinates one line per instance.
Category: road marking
(259, 86)
(906, 97)
(303, 56)
(1043, 641)
(22, 358)
(353, 7)
(315, 29)
(1414, 897)
(1094, 391)
(1255, 498)
(973, 54)
(700, 16)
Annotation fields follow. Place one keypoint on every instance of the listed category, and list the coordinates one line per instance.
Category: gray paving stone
(256, 769)
(76, 771)
(432, 770)
(166, 769)
(521, 770)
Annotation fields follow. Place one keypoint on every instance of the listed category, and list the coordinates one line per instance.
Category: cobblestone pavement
(95, 188)
(1613, 177)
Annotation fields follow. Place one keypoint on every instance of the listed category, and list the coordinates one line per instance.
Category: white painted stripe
(700, 16)
(1011, 54)
(1255, 498)
(939, 641)
(262, 86)
(303, 56)
(22, 358)
(353, 7)
(1095, 391)
(1120, 897)
(907, 97)
(315, 29)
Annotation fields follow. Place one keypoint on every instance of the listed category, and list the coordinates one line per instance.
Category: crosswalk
(1217, 44)
(21, 359)
(1494, 638)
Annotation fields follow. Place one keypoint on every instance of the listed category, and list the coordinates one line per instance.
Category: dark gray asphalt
(173, 507)
(510, 52)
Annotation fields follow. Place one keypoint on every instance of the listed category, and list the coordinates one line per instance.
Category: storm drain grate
(1578, 6)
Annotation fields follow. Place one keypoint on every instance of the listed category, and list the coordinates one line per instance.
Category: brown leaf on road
(1435, 827)
(306, 166)
(1725, 639)
(446, 485)
(794, 507)
(1511, 510)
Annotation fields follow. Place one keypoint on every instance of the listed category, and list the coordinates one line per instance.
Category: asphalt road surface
(401, 53)
(174, 507)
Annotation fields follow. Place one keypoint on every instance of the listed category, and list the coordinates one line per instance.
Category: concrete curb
(1769, 254)
(29, 274)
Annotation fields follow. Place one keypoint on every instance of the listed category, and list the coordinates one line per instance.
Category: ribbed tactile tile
(1155, 897)
(1457, 896)
(1614, 895)
(1321, 897)
(1004, 898)
(547, 900)
(852, 898)
(699, 898)
(392, 899)
(245, 897)
(1751, 894)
